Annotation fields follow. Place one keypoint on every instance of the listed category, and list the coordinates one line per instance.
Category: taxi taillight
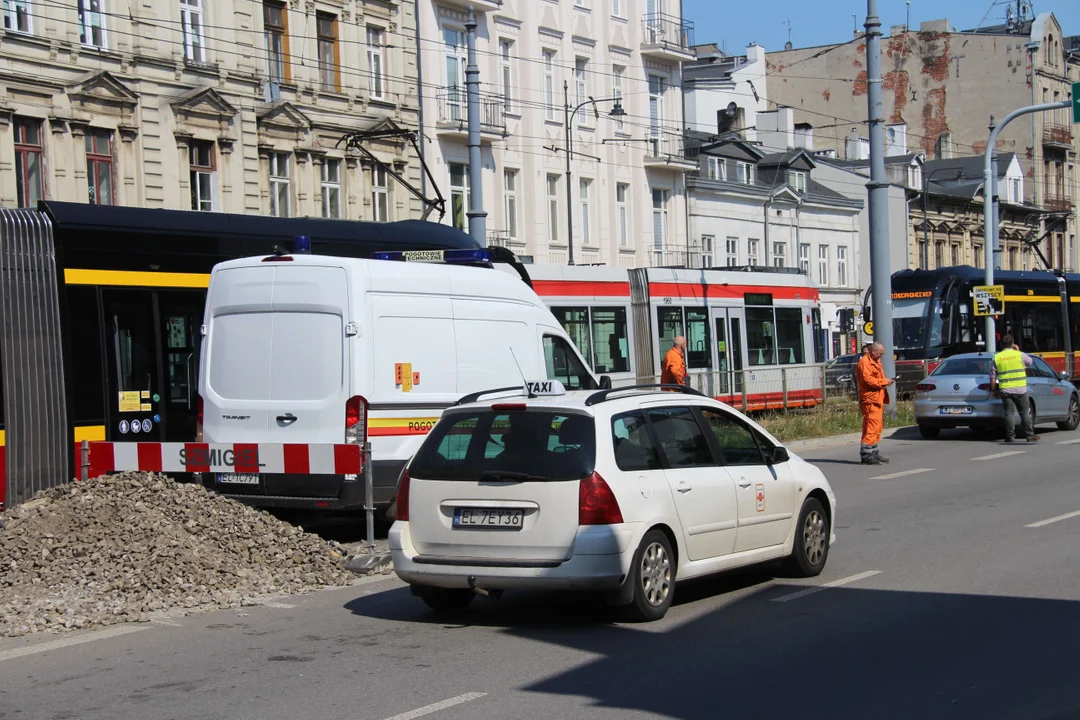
(356, 409)
(596, 503)
(401, 511)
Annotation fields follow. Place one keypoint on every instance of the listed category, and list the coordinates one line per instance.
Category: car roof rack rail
(473, 397)
(603, 395)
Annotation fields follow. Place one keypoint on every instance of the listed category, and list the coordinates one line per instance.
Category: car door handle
(744, 483)
(683, 487)
(287, 418)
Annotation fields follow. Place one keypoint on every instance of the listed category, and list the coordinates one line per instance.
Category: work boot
(872, 460)
(1034, 438)
(1010, 440)
(881, 459)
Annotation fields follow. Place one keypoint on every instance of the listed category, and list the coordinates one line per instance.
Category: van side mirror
(779, 455)
(605, 382)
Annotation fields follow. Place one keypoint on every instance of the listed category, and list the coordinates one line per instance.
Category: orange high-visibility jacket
(673, 371)
(872, 382)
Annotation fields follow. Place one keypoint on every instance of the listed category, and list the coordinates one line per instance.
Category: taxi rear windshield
(513, 446)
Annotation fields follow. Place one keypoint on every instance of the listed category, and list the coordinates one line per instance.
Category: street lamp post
(568, 114)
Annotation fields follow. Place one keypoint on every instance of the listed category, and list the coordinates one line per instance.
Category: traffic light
(847, 320)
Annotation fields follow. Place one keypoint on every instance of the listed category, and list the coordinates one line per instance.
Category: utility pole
(880, 271)
(477, 215)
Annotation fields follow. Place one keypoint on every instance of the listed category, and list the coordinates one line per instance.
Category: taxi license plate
(497, 519)
(956, 410)
(237, 479)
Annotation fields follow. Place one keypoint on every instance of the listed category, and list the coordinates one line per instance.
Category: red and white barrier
(108, 457)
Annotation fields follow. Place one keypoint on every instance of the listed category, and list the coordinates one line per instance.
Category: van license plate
(956, 410)
(237, 479)
(499, 519)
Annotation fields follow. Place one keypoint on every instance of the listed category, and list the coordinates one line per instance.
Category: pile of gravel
(118, 548)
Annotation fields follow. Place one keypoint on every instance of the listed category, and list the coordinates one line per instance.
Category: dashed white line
(902, 473)
(1059, 518)
(826, 586)
(995, 456)
(436, 707)
(1068, 442)
(69, 641)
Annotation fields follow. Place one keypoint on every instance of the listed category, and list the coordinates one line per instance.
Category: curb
(378, 563)
(835, 440)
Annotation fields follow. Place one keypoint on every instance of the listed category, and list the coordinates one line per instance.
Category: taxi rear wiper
(508, 475)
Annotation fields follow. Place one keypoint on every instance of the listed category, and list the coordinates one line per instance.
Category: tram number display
(989, 300)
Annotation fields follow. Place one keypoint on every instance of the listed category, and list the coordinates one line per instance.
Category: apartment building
(211, 105)
(546, 64)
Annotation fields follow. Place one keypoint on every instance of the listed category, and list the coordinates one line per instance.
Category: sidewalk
(834, 440)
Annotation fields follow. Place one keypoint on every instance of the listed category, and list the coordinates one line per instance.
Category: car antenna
(523, 378)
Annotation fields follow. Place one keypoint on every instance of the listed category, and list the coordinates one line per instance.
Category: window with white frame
(618, 79)
(707, 244)
(823, 265)
(656, 112)
(380, 195)
(797, 180)
(804, 258)
(553, 207)
(17, 15)
(581, 66)
(276, 29)
(510, 202)
(1015, 193)
(582, 4)
(618, 8)
(717, 168)
(841, 266)
(660, 221)
(376, 41)
(459, 194)
(326, 30)
(746, 173)
(752, 252)
(779, 254)
(191, 14)
(506, 74)
(202, 166)
(92, 23)
(456, 60)
(279, 184)
(585, 189)
(622, 211)
(731, 251)
(549, 84)
(330, 185)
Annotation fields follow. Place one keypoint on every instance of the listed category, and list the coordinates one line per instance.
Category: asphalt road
(953, 592)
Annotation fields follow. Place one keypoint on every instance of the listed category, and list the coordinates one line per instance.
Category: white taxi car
(619, 490)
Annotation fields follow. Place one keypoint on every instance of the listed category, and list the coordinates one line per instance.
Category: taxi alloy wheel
(811, 547)
(653, 577)
(1074, 415)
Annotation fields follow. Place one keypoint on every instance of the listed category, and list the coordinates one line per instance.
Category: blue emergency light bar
(465, 255)
(301, 245)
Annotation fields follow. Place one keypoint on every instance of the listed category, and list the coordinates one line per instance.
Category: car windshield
(508, 445)
(963, 366)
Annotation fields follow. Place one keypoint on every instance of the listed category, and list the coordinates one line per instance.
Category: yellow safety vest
(1010, 369)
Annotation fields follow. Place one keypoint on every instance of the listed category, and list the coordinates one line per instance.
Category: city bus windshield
(912, 320)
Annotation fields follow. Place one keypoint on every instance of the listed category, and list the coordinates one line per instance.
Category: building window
(17, 15)
(456, 61)
(939, 254)
(380, 194)
(585, 188)
(329, 70)
(804, 258)
(510, 204)
(459, 193)
(746, 173)
(618, 8)
(191, 21)
(717, 168)
(752, 252)
(549, 84)
(1024, 259)
(276, 29)
(622, 196)
(1014, 260)
(956, 256)
(660, 222)
(29, 154)
(731, 250)
(797, 180)
(553, 207)
(92, 23)
(823, 265)
(582, 4)
(841, 266)
(618, 79)
(279, 184)
(581, 66)
(203, 174)
(656, 112)
(376, 63)
(707, 244)
(330, 185)
(779, 254)
(506, 74)
(99, 161)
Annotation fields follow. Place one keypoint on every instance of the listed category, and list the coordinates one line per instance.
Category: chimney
(754, 53)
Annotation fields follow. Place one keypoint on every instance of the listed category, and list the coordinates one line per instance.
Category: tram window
(564, 366)
(1036, 326)
(669, 323)
(789, 336)
(819, 340)
(611, 343)
(698, 347)
(83, 351)
(760, 336)
(575, 321)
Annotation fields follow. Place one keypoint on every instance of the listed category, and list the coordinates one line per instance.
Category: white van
(316, 349)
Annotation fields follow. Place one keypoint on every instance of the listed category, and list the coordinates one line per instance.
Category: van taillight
(198, 418)
(401, 511)
(356, 420)
(596, 503)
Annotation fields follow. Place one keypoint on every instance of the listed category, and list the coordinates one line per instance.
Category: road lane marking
(436, 707)
(995, 456)
(1059, 518)
(69, 641)
(902, 473)
(826, 586)
(1068, 442)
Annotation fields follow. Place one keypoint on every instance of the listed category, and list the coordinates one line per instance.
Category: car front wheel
(811, 548)
(653, 578)
(1073, 420)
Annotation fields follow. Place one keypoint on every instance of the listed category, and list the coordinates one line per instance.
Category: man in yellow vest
(1008, 376)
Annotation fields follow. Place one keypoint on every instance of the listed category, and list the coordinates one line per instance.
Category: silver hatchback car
(957, 394)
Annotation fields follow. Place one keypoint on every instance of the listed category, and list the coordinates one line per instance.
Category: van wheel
(653, 578)
(444, 599)
(1073, 420)
(929, 432)
(811, 547)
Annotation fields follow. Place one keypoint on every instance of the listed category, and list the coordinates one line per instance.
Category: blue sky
(829, 21)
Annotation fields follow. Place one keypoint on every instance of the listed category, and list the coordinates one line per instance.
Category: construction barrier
(245, 458)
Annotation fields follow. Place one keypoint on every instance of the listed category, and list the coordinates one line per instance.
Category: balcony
(1058, 136)
(1058, 201)
(667, 38)
(479, 6)
(665, 149)
(453, 120)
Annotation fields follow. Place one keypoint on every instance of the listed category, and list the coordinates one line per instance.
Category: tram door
(729, 349)
(152, 342)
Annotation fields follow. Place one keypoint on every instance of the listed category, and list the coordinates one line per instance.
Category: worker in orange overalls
(673, 369)
(872, 398)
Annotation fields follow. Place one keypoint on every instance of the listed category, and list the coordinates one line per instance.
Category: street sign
(868, 328)
(989, 300)
(1076, 101)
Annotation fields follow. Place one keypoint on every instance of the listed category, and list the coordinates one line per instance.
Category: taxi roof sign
(537, 388)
